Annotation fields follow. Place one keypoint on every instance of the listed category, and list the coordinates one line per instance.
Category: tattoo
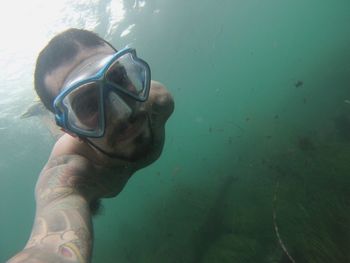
(62, 230)
(74, 174)
(68, 189)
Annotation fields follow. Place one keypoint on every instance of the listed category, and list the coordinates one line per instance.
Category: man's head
(65, 69)
(63, 48)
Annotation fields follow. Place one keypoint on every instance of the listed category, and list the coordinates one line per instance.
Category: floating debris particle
(299, 84)
(176, 171)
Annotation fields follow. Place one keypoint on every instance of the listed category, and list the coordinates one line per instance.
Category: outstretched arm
(69, 184)
(62, 230)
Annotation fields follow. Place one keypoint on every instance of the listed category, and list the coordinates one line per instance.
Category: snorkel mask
(81, 105)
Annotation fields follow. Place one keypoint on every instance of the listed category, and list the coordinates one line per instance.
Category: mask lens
(128, 75)
(84, 110)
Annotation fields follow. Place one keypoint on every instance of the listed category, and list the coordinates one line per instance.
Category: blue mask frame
(61, 111)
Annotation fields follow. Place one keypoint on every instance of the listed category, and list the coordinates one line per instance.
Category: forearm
(68, 189)
(62, 232)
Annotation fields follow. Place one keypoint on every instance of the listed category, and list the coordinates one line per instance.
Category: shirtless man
(113, 116)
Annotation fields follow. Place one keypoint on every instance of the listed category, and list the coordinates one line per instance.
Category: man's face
(127, 134)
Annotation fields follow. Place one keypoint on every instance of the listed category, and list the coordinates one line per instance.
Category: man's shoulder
(73, 149)
(68, 149)
(69, 145)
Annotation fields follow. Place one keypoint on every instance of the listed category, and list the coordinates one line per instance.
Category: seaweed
(313, 208)
(212, 228)
(342, 126)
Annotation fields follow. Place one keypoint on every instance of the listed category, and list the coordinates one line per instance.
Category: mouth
(127, 131)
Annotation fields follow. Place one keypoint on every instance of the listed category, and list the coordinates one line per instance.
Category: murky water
(257, 157)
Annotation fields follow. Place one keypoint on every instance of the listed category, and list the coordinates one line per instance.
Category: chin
(138, 149)
(133, 146)
(133, 149)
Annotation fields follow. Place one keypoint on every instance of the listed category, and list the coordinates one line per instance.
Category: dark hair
(61, 48)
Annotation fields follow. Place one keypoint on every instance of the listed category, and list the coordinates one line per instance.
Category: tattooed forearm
(67, 191)
(62, 229)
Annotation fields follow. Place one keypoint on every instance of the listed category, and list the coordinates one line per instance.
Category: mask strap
(111, 155)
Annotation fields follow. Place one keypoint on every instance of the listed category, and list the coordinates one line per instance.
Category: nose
(117, 108)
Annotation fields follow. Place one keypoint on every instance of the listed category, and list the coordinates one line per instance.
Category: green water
(261, 129)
